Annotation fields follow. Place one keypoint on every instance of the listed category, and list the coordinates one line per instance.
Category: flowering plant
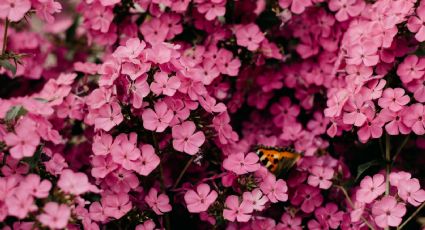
(146, 114)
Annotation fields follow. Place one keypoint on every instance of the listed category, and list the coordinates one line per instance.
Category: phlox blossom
(199, 200)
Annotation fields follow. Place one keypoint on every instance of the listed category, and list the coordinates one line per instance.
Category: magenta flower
(241, 164)
(387, 212)
(185, 139)
(330, 214)
(249, 36)
(199, 200)
(321, 177)
(159, 119)
(393, 99)
(372, 128)
(24, 140)
(55, 215)
(14, 10)
(308, 197)
(235, 210)
(371, 188)
(148, 161)
(287, 222)
(158, 203)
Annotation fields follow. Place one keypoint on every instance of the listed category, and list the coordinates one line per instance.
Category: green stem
(388, 163)
(189, 162)
(6, 27)
(352, 206)
(411, 216)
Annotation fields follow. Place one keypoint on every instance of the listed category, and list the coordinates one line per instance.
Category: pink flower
(410, 190)
(24, 140)
(308, 197)
(387, 212)
(371, 128)
(124, 150)
(395, 123)
(159, 204)
(159, 119)
(330, 214)
(185, 139)
(297, 6)
(411, 68)
(20, 203)
(274, 190)
(257, 198)
(109, 116)
(241, 164)
(346, 8)
(416, 23)
(74, 183)
(249, 36)
(47, 8)
(116, 205)
(321, 177)
(55, 215)
(148, 161)
(415, 118)
(102, 144)
(164, 85)
(154, 31)
(289, 222)
(36, 187)
(200, 200)
(14, 10)
(393, 99)
(363, 54)
(212, 9)
(147, 225)
(371, 188)
(356, 110)
(235, 210)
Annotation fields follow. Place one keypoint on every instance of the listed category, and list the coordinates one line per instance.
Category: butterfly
(277, 159)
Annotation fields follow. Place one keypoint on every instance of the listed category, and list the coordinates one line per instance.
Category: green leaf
(363, 167)
(14, 113)
(7, 65)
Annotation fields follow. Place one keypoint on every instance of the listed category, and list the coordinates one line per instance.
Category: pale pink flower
(165, 85)
(14, 10)
(235, 210)
(186, 139)
(387, 212)
(241, 164)
(199, 200)
(55, 215)
(159, 119)
(321, 177)
(158, 203)
(371, 188)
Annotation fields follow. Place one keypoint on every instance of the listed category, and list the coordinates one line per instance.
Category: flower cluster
(151, 114)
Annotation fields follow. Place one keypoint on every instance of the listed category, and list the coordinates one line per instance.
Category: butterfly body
(275, 159)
